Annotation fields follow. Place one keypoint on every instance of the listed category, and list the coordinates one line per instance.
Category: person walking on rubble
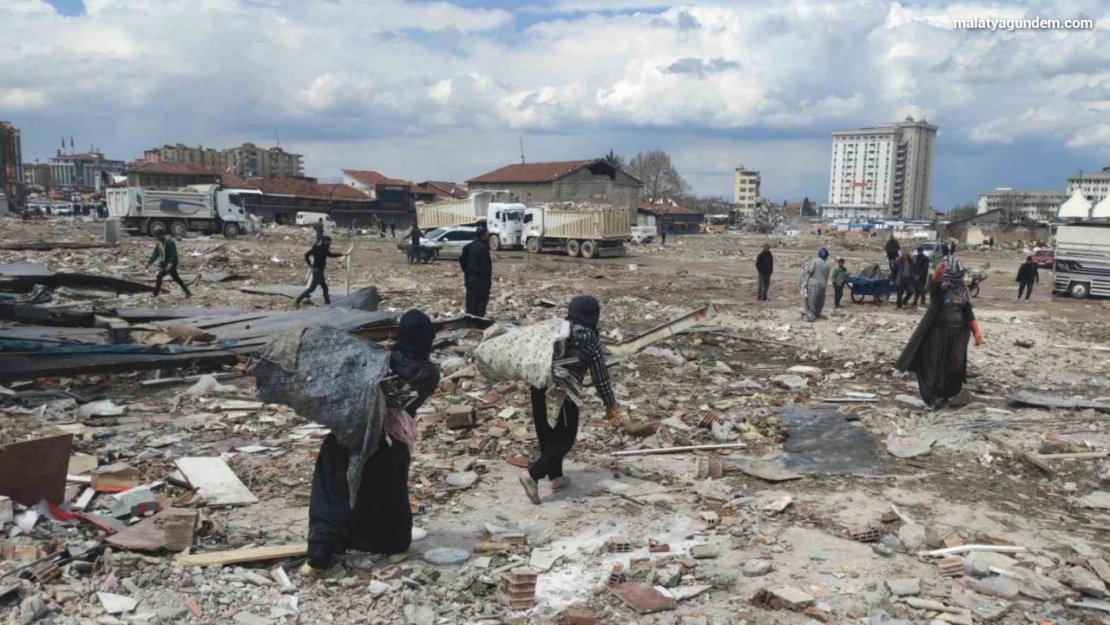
(556, 441)
(381, 520)
(319, 228)
(937, 351)
(892, 250)
(165, 252)
(765, 266)
(839, 275)
(903, 278)
(813, 280)
(477, 273)
(1027, 274)
(317, 259)
(920, 277)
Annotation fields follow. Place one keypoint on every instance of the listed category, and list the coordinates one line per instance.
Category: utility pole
(521, 149)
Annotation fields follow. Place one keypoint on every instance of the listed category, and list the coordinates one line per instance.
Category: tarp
(1076, 206)
(332, 378)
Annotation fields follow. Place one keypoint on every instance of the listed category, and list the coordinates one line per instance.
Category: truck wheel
(231, 230)
(534, 245)
(589, 249)
(494, 242)
(573, 248)
(179, 229)
(155, 227)
(1079, 290)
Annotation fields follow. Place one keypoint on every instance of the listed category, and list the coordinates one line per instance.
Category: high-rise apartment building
(11, 160)
(888, 166)
(745, 191)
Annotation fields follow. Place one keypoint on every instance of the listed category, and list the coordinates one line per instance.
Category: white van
(309, 219)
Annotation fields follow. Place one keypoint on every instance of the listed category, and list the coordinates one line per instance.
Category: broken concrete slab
(1084, 581)
(790, 382)
(909, 587)
(758, 567)
(116, 604)
(1000, 587)
(767, 471)
(791, 598)
(216, 482)
(910, 446)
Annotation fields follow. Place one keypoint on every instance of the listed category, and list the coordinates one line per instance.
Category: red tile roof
(301, 187)
(372, 178)
(447, 188)
(531, 172)
(171, 167)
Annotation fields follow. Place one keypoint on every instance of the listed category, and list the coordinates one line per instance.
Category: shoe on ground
(531, 488)
(560, 483)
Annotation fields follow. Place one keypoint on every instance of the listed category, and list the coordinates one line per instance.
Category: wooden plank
(28, 366)
(238, 556)
(217, 483)
(1019, 452)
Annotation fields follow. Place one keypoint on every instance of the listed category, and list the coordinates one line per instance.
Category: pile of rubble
(764, 470)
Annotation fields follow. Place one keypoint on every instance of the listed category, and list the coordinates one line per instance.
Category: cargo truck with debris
(586, 232)
(197, 208)
(503, 220)
(1082, 260)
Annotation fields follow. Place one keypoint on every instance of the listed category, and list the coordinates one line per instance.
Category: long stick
(677, 450)
(940, 553)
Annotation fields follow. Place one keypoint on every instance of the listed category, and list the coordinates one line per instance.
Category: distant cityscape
(882, 172)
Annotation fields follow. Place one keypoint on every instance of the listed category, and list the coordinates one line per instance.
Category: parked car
(1045, 259)
(931, 248)
(450, 240)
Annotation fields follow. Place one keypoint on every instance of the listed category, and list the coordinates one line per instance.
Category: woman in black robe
(937, 351)
(381, 520)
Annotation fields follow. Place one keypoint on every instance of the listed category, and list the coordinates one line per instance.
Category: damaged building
(593, 181)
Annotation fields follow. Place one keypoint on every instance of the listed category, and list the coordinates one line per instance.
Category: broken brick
(814, 613)
(460, 417)
(1099, 566)
(951, 567)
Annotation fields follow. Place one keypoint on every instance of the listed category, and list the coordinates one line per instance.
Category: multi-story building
(209, 158)
(38, 175)
(1017, 203)
(251, 161)
(1094, 186)
(888, 166)
(82, 172)
(745, 191)
(11, 160)
(247, 160)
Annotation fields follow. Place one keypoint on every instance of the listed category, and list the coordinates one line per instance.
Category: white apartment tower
(888, 166)
(745, 190)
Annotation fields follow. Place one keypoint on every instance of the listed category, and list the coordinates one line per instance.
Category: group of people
(909, 274)
(380, 521)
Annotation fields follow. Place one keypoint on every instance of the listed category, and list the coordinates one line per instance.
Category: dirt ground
(735, 368)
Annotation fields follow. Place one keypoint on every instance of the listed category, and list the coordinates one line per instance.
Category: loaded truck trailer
(1082, 260)
(590, 233)
(503, 220)
(196, 208)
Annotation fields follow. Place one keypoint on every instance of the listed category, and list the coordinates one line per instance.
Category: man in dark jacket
(317, 259)
(1026, 276)
(903, 278)
(478, 273)
(165, 252)
(765, 265)
(920, 276)
(892, 249)
(319, 228)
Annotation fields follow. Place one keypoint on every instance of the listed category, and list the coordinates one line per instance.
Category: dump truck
(589, 233)
(196, 208)
(1082, 260)
(502, 219)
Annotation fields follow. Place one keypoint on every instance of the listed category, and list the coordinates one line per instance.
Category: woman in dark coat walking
(937, 351)
(381, 520)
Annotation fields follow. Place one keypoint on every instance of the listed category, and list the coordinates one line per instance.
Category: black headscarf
(415, 335)
(584, 310)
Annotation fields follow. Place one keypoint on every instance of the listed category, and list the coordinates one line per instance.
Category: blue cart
(862, 288)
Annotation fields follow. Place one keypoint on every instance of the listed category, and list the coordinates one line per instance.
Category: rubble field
(832, 494)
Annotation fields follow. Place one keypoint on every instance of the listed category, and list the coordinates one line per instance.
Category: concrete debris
(758, 568)
(904, 587)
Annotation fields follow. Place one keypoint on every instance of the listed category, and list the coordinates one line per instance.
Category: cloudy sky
(442, 90)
